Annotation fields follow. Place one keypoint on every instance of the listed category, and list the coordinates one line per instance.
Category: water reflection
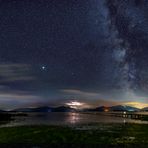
(68, 118)
(73, 118)
(124, 121)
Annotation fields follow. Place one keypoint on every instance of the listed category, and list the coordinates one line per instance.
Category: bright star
(43, 67)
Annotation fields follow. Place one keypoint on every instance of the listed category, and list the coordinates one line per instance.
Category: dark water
(68, 118)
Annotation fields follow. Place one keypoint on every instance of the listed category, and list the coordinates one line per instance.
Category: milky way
(126, 26)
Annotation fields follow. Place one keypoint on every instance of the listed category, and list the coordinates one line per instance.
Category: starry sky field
(93, 52)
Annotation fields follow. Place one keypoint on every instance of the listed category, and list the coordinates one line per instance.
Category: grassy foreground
(104, 134)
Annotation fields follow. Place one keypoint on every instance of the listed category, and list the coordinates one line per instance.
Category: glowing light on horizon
(75, 104)
(106, 110)
(136, 104)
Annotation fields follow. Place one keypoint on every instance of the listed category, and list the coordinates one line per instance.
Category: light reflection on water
(68, 118)
(73, 118)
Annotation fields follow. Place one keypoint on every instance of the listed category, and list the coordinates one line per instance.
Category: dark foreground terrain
(103, 135)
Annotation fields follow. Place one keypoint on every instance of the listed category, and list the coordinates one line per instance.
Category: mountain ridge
(69, 109)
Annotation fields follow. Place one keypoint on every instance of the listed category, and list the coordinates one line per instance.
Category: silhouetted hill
(102, 108)
(69, 109)
(1, 111)
(22, 110)
(63, 109)
(45, 109)
(123, 108)
(38, 109)
(112, 108)
(144, 109)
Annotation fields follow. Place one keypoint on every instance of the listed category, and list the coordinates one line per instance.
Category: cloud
(90, 99)
(15, 72)
(80, 93)
(12, 99)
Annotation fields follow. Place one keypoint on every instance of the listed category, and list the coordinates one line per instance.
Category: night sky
(55, 52)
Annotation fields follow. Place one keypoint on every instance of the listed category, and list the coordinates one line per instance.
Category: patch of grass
(113, 134)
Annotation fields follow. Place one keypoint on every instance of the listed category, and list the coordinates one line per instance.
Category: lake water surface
(67, 118)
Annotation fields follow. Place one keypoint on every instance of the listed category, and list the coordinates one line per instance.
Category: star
(43, 67)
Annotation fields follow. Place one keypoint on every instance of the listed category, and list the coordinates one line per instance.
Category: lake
(67, 118)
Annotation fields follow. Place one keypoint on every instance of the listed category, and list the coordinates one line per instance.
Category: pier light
(106, 109)
(124, 112)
